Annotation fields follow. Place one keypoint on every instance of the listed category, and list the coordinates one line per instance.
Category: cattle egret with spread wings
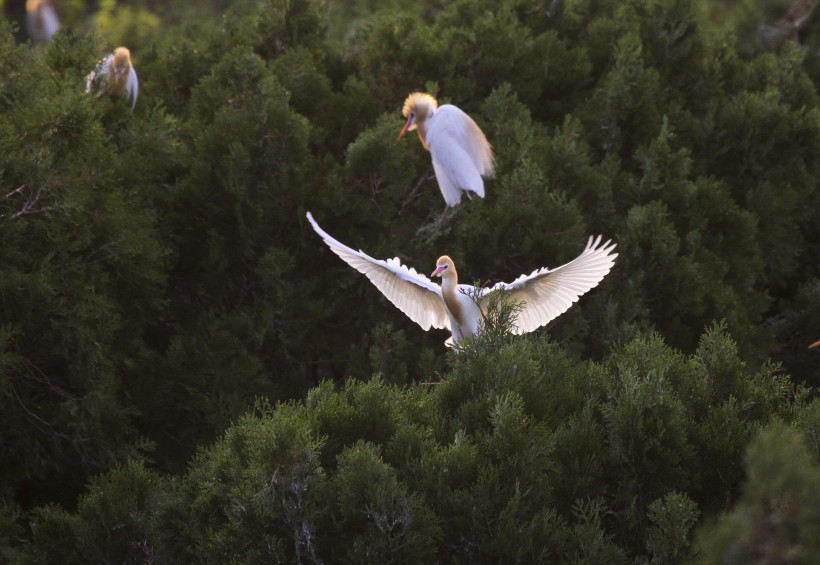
(543, 295)
(461, 153)
(116, 75)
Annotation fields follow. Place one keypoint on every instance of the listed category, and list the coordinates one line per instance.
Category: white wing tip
(133, 87)
(594, 243)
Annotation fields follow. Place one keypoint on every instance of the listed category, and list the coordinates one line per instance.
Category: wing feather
(449, 190)
(469, 136)
(546, 294)
(412, 293)
(457, 153)
(95, 80)
(132, 87)
(481, 150)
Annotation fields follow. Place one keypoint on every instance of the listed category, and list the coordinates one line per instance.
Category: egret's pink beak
(438, 270)
(815, 345)
(406, 127)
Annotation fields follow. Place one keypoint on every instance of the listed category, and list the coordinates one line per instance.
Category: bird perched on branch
(461, 153)
(542, 295)
(41, 20)
(116, 75)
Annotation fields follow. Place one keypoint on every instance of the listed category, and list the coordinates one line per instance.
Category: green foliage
(82, 279)
(251, 497)
(777, 517)
(518, 452)
(807, 420)
(672, 517)
(376, 517)
(157, 278)
(114, 520)
(11, 533)
(121, 24)
(648, 428)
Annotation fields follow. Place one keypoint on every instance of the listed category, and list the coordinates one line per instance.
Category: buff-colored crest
(122, 58)
(418, 100)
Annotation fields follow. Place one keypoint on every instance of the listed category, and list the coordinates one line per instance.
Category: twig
(27, 210)
(101, 253)
(15, 191)
(30, 207)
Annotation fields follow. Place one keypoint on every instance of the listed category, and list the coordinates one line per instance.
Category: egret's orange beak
(815, 345)
(439, 269)
(406, 127)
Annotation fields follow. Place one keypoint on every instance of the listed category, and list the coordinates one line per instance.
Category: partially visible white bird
(41, 20)
(116, 75)
(461, 153)
(543, 295)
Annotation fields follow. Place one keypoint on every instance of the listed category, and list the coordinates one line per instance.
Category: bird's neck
(424, 114)
(116, 83)
(449, 292)
(421, 129)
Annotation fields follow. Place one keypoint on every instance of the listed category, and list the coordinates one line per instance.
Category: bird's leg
(440, 221)
(434, 229)
(430, 231)
(415, 192)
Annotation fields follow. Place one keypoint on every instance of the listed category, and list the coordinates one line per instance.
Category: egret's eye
(412, 115)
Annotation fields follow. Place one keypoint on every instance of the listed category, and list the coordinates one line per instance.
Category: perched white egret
(116, 75)
(461, 153)
(543, 295)
(41, 20)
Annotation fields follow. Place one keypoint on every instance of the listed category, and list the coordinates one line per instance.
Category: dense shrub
(158, 280)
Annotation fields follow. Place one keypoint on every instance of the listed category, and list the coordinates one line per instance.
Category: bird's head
(37, 5)
(417, 108)
(122, 60)
(445, 268)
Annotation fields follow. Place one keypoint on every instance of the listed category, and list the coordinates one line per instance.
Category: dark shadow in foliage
(777, 519)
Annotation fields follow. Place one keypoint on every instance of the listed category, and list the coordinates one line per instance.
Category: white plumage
(461, 154)
(543, 295)
(116, 75)
(42, 21)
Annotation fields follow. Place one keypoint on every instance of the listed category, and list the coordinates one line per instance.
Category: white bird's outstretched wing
(132, 87)
(546, 294)
(412, 293)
